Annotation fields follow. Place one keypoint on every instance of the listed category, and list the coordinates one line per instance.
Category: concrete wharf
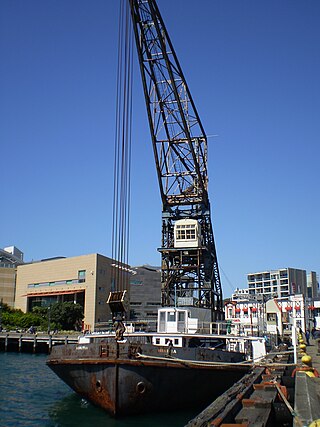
(33, 343)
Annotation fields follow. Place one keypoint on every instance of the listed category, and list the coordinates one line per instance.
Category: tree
(66, 315)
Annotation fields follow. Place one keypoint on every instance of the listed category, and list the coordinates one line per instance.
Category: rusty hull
(113, 377)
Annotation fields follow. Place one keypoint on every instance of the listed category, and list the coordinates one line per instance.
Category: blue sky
(253, 69)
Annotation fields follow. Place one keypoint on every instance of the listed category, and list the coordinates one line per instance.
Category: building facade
(273, 315)
(286, 313)
(278, 283)
(312, 285)
(145, 292)
(10, 258)
(86, 279)
(240, 294)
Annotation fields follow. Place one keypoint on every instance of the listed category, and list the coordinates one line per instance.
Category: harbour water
(31, 395)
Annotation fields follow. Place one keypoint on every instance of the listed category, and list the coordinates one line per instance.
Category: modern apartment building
(85, 279)
(240, 294)
(10, 258)
(278, 283)
(312, 285)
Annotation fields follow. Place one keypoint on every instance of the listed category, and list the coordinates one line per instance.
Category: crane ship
(175, 367)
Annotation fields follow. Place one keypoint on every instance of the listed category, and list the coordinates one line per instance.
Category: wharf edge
(33, 343)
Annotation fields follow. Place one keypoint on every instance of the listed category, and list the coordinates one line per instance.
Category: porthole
(141, 387)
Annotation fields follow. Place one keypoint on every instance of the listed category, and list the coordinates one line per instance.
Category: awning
(39, 294)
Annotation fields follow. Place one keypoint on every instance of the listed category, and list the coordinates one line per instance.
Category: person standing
(308, 336)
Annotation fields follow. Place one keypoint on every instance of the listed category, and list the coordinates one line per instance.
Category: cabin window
(157, 340)
(181, 316)
(176, 341)
(171, 316)
(186, 232)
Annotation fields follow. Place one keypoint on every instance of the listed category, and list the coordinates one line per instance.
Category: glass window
(81, 276)
(181, 316)
(271, 317)
(171, 316)
(186, 232)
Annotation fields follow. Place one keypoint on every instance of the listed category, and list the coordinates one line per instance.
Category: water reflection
(32, 395)
(72, 411)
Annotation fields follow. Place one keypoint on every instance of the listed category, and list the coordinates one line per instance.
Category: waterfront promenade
(307, 389)
(313, 350)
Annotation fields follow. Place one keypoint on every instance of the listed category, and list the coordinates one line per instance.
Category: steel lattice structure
(180, 151)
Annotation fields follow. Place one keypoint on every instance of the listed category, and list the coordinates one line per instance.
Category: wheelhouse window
(171, 316)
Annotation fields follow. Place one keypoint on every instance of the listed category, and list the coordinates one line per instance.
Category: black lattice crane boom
(190, 273)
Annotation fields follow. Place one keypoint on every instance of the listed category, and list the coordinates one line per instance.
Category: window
(272, 318)
(171, 316)
(186, 232)
(81, 276)
(158, 341)
(181, 316)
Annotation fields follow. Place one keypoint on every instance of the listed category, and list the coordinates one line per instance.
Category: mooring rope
(296, 416)
(251, 364)
(188, 362)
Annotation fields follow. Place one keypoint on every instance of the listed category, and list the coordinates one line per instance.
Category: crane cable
(122, 152)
